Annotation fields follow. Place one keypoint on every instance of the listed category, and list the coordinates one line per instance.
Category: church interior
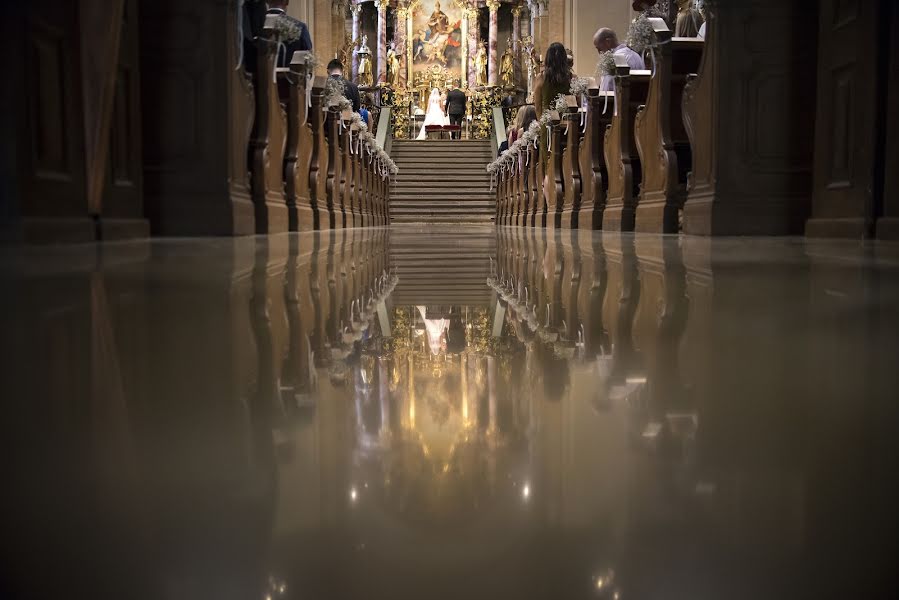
(342, 299)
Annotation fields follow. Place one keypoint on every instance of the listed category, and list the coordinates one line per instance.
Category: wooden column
(318, 162)
(622, 159)
(298, 153)
(335, 169)
(350, 210)
(751, 142)
(554, 193)
(571, 172)
(661, 138)
(595, 179)
(268, 138)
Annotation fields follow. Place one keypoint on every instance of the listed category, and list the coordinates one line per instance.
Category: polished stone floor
(451, 413)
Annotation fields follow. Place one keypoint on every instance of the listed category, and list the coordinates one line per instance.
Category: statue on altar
(480, 67)
(366, 73)
(393, 67)
(507, 67)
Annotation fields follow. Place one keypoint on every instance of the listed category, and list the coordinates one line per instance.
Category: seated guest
(555, 79)
(302, 40)
(605, 40)
(523, 119)
(335, 70)
(689, 19)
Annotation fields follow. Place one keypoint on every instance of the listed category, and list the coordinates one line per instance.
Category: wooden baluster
(268, 139)
(660, 135)
(539, 197)
(351, 212)
(571, 173)
(554, 192)
(318, 161)
(367, 198)
(620, 148)
(298, 153)
(521, 184)
(594, 178)
(332, 181)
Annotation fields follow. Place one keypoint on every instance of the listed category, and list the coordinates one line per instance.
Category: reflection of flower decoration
(640, 35)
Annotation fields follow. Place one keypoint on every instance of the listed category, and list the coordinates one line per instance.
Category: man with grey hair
(607, 40)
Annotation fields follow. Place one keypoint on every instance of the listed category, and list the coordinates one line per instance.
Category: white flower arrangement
(606, 64)
(579, 86)
(640, 34)
(287, 29)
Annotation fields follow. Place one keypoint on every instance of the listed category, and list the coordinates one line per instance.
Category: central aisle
(442, 181)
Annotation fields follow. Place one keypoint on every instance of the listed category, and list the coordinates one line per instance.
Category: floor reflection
(471, 413)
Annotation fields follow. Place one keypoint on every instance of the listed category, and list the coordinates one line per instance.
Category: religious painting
(436, 37)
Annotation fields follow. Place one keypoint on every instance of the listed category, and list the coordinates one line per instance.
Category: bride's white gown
(435, 114)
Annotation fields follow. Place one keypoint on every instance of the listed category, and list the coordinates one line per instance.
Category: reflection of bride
(435, 114)
(435, 329)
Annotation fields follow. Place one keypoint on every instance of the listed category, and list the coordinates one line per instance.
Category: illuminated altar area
(484, 47)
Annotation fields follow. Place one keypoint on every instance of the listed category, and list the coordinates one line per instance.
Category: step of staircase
(442, 181)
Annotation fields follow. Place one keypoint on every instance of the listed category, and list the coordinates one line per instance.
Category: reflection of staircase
(437, 267)
(441, 181)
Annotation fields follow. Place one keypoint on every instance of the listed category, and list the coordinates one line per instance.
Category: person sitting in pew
(335, 70)
(301, 41)
(606, 40)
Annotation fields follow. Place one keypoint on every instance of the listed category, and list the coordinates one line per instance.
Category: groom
(455, 107)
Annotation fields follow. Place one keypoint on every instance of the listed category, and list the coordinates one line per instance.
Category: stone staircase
(442, 181)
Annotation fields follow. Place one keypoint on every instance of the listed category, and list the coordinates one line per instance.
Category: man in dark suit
(455, 106)
(303, 41)
(335, 69)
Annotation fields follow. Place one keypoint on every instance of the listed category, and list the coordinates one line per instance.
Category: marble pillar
(463, 74)
(410, 80)
(492, 74)
(473, 41)
(516, 42)
(382, 39)
(357, 37)
(399, 39)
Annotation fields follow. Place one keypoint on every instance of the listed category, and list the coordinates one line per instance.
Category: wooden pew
(318, 161)
(351, 210)
(571, 172)
(538, 198)
(335, 168)
(523, 190)
(622, 160)
(554, 192)
(362, 218)
(661, 138)
(594, 176)
(298, 152)
(268, 139)
(498, 182)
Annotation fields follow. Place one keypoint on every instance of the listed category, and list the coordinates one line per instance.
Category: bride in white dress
(435, 114)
